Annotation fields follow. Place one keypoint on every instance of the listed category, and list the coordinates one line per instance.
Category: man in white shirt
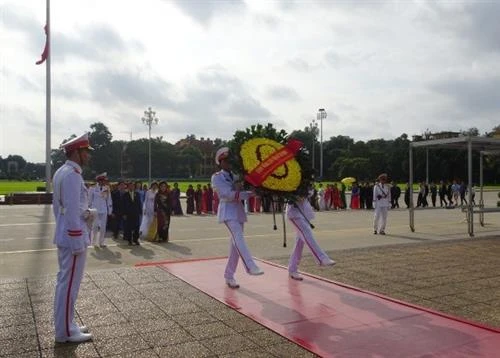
(100, 199)
(382, 203)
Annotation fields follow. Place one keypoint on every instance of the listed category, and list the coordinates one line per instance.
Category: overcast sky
(208, 67)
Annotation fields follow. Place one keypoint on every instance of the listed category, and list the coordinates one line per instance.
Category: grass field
(7, 187)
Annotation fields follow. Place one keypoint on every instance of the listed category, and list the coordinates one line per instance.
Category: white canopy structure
(485, 145)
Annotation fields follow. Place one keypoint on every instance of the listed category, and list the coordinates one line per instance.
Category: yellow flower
(286, 177)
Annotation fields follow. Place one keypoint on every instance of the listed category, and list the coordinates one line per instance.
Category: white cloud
(380, 68)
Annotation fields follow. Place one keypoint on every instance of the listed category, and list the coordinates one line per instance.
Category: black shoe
(130, 243)
(375, 232)
(382, 233)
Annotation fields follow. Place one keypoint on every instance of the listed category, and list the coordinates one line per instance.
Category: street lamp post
(313, 127)
(320, 116)
(124, 148)
(149, 119)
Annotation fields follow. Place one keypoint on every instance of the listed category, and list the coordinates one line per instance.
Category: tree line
(192, 158)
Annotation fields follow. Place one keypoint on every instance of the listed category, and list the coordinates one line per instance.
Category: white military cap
(221, 154)
(102, 176)
(80, 142)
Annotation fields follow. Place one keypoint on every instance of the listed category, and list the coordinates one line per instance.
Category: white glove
(78, 246)
(246, 194)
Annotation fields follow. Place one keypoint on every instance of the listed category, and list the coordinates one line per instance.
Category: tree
(100, 136)
(100, 139)
(473, 132)
(357, 167)
(191, 157)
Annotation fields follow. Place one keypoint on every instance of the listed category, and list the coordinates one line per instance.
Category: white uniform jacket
(100, 199)
(294, 212)
(70, 204)
(382, 195)
(230, 205)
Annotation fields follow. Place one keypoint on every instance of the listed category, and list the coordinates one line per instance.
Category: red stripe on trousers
(304, 238)
(236, 247)
(68, 295)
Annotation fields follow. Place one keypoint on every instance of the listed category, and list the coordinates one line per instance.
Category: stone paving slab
(457, 277)
(133, 312)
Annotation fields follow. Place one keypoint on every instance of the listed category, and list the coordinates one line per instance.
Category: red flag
(45, 52)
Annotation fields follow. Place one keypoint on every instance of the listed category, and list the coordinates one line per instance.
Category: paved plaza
(146, 312)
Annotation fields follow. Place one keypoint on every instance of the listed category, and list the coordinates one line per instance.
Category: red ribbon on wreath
(257, 176)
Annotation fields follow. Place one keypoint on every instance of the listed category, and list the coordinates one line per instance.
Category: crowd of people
(450, 193)
(333, 196)
(144, 212)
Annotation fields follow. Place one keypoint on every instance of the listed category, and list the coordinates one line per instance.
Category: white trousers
(380, 218)
(304, 235)
(69, 277)
(237, 248)
(99, 229)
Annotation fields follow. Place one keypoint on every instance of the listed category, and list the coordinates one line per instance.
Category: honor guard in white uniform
(232, 213)
(73, 224)
(100, 199)
(382, 203)
(300, 215)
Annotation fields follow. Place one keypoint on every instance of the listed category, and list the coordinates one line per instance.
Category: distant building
(444, 135)
(438, 135)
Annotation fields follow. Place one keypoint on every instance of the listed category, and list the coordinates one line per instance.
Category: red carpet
(334, 320)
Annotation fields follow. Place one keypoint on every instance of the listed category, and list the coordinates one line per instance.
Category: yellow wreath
(285, 178)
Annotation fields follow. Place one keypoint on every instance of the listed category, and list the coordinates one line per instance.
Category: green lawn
(7, 186)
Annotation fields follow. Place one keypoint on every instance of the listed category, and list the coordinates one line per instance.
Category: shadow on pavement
(105, 254)
(183, 250)
(142, 251)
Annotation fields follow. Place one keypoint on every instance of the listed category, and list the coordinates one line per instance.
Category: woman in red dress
(336, 203)
(355, 196)
(204, 200)
(328, 197)
(257, 204)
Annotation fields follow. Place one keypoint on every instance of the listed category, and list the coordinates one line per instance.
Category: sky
(210, 67)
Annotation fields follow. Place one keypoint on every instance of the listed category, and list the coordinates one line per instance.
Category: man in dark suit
(131, 214)
(117, 213)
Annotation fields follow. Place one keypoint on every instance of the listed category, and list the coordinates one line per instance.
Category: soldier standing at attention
(73, 224)
(232, 214)
(100, 199)
(382, 201)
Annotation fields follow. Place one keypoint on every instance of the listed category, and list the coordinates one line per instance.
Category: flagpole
(48, 175)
